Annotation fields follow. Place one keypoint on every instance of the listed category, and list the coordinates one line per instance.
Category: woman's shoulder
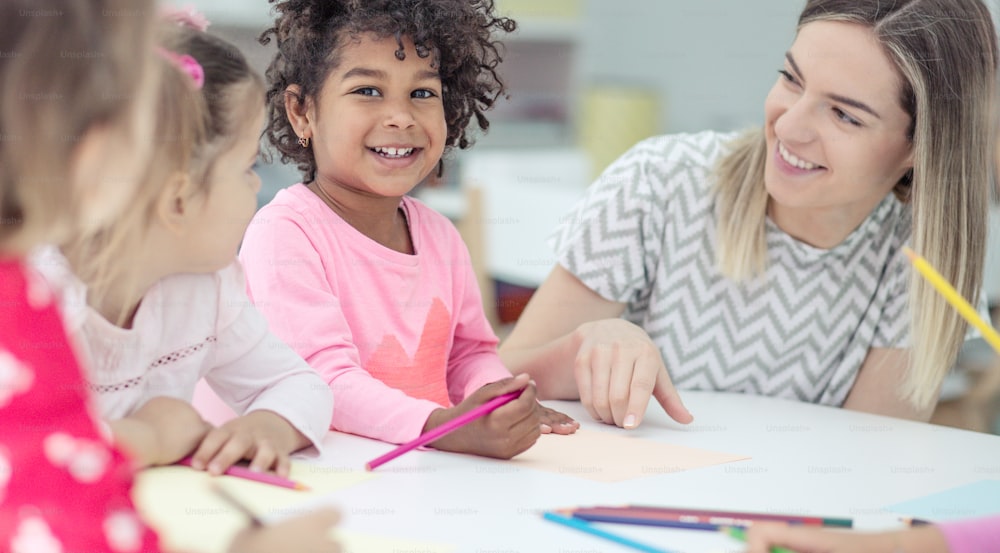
(689, 148)
(662, 165)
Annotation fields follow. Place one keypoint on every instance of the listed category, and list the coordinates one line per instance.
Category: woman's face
(836, 130)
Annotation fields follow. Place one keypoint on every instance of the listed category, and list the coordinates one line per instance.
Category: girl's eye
(368, 91)
(843, 116)
(788, 77)
(423, 93)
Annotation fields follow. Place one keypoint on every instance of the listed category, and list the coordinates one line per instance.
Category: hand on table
(508, 430)
(617, 369)
(761, 537)
(554, 422)
(263, 437)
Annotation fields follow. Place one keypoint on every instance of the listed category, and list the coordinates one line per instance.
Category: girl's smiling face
(377, 125)
(836, 130)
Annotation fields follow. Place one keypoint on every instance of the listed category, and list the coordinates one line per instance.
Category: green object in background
(741, 535)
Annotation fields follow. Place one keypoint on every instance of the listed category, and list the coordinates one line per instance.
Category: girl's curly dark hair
(457, 33)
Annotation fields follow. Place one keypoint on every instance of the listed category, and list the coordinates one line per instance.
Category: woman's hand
(617, 369)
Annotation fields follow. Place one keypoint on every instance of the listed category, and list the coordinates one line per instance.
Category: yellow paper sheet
(612, 457)
(178, 502)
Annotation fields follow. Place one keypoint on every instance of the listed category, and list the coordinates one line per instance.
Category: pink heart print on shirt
(425, 375)
(15, 378)
(86, 460)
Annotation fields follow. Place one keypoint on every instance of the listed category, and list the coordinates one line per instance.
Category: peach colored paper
(612, 457)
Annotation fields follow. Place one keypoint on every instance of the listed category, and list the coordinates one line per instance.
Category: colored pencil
(651, 519)
(237, 504)
(702, 515)
(741, 535)
(584, 526)
(711, 517)
(445, 428)
(953, 297)
(263, 477)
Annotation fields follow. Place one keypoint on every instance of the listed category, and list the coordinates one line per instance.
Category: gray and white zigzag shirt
(645, 235)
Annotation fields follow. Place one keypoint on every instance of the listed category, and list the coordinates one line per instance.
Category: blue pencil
(590, 529)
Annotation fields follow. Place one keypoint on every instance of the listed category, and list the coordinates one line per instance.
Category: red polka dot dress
(63, 489)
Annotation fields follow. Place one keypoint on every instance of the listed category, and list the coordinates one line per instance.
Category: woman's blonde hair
(946, 54)
(66, 66)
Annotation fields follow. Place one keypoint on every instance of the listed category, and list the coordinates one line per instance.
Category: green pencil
(741, 535)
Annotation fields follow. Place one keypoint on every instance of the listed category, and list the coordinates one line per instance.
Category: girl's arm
(284, 403)
(573, 344)
(163, 431)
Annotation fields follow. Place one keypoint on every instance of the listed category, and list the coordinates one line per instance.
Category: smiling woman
(770, 262)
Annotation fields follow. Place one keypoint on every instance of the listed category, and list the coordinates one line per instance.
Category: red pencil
(263, 477)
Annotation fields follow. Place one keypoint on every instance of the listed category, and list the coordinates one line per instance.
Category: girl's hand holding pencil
(503, 433)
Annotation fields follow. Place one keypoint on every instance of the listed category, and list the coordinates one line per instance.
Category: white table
(805, 459)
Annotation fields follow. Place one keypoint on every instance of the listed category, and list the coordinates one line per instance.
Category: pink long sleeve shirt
(395, 335)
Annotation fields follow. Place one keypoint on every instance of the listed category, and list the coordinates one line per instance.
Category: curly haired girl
(370, 286)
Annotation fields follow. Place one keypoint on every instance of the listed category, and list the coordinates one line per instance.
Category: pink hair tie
(186, 16)
(187, 64)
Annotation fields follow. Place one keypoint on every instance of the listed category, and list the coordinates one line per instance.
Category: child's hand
(761, 537)
(309, 533)
(263, 437)
(510, 429)
(161, 432)
(555, 422)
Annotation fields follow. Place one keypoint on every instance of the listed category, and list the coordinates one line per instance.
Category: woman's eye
(843, 116)
(423, 93)
(788, 76)
(368, 91)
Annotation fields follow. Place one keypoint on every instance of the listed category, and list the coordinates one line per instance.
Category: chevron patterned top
(645, 235)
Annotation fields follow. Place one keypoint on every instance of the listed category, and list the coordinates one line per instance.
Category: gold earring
(304, 141)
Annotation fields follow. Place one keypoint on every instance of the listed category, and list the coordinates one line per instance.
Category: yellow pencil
(954, 298)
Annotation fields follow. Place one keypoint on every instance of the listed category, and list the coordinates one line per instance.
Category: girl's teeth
(792, 159)
(394, 152)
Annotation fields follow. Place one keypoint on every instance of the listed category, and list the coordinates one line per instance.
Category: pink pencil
(445, 428)
(264, 477)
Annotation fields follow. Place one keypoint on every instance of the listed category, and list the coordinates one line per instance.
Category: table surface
(804, 459)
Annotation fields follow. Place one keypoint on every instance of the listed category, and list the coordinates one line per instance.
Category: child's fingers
(209, 447)
(237, 447)
(284, 465)
(264, 457)
(556, 422)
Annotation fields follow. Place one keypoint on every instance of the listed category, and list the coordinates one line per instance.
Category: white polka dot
(5, 472)
(59, 447)
(39, 293)
(90, 461)
(15, 377)
(123, 531)
(34, 536)
(86, 460)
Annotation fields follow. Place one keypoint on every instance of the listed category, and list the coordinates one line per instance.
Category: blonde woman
(770, 263)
